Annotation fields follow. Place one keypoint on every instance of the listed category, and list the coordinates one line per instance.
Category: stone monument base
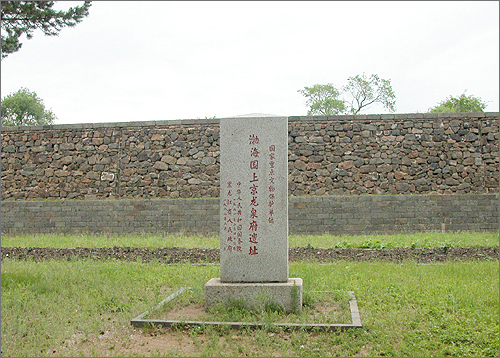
(255, 295)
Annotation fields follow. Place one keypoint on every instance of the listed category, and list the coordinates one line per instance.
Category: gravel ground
(176, 255)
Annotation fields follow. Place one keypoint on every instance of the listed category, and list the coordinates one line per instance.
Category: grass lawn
(83, 308)
(419, 240)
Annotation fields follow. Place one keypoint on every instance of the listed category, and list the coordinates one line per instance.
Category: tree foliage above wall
(25, 108)
(462, 103)
(360, 92)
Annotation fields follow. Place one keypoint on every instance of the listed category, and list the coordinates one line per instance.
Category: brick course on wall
(446, 153)
(339, 215)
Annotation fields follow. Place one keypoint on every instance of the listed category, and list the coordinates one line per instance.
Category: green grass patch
(415, 240)
(47, 307)
(98, 241)
(83, 308)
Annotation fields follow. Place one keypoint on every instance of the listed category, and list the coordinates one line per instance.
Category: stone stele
(254, 216)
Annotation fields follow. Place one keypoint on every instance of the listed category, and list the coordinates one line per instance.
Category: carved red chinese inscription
(253, 229)
(231, 219)
(271, 177)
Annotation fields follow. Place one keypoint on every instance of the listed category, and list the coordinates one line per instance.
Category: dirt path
(176, 255)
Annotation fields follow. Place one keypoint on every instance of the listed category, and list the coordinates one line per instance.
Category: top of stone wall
(364, 117)
(402, 116)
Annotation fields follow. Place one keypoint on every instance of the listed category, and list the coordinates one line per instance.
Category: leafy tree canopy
(365, 91)
(460, 104)
(323, 100)
(360, 91)
(25, 108)
(23, 17)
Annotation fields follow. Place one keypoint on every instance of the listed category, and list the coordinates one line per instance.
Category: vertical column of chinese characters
(272, 188)
(232, 226)
(237, 211)
(254, 187)
(228, 222)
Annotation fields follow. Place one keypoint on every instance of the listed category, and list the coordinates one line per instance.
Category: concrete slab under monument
(193, 321)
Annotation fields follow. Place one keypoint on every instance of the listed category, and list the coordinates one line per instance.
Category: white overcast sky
(164, 60)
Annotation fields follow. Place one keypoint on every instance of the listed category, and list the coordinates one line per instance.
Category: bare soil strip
(200, 256)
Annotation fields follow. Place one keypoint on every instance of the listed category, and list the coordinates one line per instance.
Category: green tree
(361, 92)
(323, 100)
(461, 104)
(364, 91)
(23, 17)
(25, 108)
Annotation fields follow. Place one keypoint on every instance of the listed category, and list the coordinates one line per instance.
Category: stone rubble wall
(446, 153)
